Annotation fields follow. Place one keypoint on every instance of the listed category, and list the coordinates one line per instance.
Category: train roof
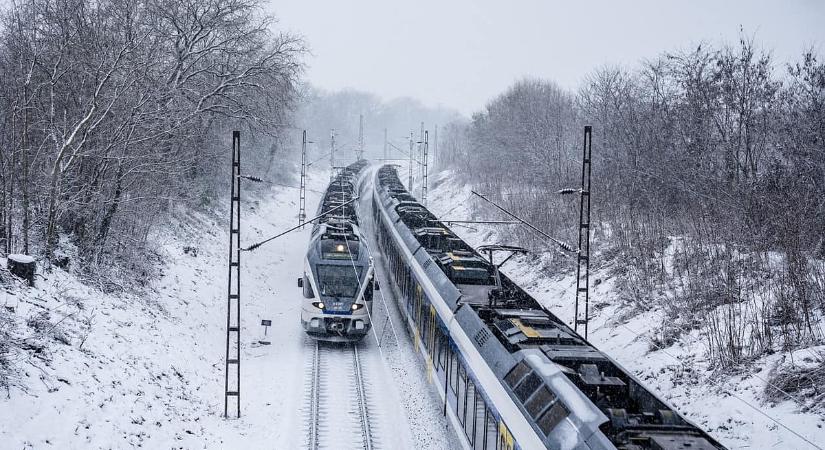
(340, 191)
(340, 226)
(519, 338)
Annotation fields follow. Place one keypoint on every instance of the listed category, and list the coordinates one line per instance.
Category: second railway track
(338, 405)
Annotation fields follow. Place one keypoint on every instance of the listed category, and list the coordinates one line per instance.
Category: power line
(255, 246)
(561, 244)
(259, 180)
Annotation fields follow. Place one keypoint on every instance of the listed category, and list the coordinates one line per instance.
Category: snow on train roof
(575, 370)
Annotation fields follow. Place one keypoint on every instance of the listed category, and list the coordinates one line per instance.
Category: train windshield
(338, 281)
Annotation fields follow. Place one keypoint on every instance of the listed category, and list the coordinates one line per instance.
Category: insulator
(566, 191)
(566, 247)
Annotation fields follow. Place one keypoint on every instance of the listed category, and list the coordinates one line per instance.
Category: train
(511, 374)
(337, 281)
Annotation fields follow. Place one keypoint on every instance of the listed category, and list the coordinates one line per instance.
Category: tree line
(115, 110)
(708, 185)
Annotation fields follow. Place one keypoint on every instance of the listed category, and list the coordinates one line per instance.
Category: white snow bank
(23, 259)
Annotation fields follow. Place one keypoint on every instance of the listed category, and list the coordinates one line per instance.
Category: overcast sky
(460, 53)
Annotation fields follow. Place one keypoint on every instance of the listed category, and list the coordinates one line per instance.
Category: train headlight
(357, 306)
(339, 248)
(319, 305)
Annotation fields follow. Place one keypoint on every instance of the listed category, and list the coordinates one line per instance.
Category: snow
(731, 408)
(97, 370)
(23, 259)
(148, 371)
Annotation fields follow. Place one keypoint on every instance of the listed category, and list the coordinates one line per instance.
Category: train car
(337, 282)
(510, 373)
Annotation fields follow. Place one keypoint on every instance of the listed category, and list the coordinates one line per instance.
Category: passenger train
(337, 281)
(511, 374)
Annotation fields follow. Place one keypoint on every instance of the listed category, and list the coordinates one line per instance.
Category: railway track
(338, 406)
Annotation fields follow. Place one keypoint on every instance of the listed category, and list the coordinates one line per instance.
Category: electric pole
(332, 154)
(424, 180)
(302, 203)
(420, 151)
(232, 379)
(583, 257)
(409, 183)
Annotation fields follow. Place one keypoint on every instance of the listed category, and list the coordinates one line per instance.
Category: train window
(469, 410)
(553, 417)
(462, 394)
(491, 432)
(410, 289)
(517, 374)
(338, 281)
(431, 333)
(542, 399)
(453, 371)
(526, 388)
(479, 426)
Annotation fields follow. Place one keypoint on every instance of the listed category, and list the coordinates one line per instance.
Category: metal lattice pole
(302, 203)
(409, 182)
(331, 154)
(424, 180)
(232, 382)
(583, 259)
(420, 151)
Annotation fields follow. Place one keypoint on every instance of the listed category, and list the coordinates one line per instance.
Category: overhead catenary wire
(260, 180)
(405, 152)
(384, 302)
(355, 270)
(383, 299)
(256, 245)
(561, 244)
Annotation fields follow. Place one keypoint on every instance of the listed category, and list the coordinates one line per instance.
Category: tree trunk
(106, 223)
(51, 224)
(3, 210)
(9, 216)
(25, 183)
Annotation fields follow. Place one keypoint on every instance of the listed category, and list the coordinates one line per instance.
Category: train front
(337, 284)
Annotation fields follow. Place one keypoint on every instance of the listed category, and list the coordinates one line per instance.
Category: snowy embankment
(92, 370)
(733, 408)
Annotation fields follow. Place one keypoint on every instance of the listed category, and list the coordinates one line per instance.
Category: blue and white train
(338, 273)
(511, 374)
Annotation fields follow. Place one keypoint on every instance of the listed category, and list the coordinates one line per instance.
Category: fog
(462, 52)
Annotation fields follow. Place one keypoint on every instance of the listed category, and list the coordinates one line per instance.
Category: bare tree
(117, 104)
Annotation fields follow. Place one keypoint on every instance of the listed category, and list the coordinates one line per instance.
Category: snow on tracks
(337, 405)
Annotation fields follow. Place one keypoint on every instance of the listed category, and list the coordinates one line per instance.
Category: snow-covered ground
(731, 408)
(105, 371)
